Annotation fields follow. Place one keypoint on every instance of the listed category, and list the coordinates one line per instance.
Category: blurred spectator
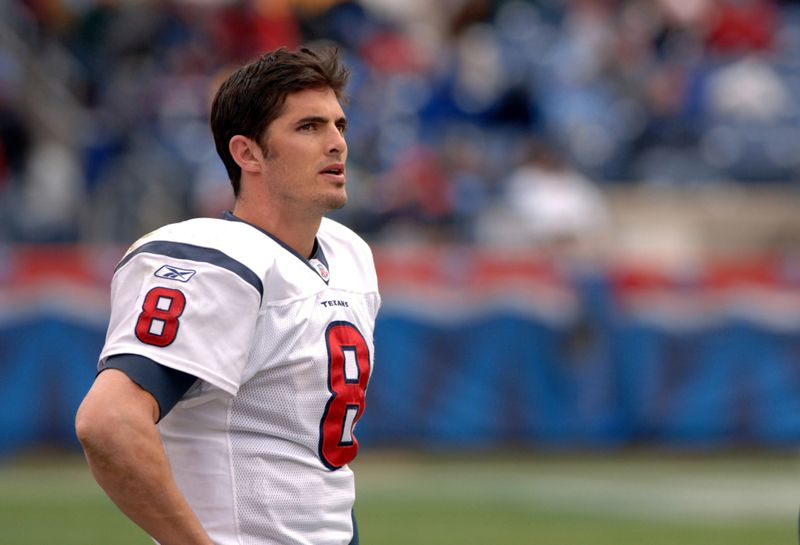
(465, 161)
(742, 26)
(14, 149)
(548, 205)
(628, 90)
(52, 194)
(14, 142)
(244, 29)
(749, 89)
(416, 195)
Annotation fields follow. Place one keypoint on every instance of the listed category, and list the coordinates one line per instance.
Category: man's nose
(337, 144)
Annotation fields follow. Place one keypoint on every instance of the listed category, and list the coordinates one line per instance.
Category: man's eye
(342, 128)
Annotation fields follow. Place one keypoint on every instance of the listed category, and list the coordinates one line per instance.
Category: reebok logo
(174, 273)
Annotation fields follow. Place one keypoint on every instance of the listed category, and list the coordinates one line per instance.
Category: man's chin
(337, 201)
(332, 203)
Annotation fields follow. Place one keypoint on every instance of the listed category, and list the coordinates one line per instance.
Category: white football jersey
(283, 348)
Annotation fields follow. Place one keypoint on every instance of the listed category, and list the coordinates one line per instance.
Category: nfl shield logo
(323, 272)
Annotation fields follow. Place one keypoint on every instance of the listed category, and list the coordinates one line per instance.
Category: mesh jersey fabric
(260, 445)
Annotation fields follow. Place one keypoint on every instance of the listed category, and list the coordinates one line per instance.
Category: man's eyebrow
(320, 119)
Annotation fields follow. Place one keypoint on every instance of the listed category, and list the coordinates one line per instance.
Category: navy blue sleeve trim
(167, 385)
(181, 250)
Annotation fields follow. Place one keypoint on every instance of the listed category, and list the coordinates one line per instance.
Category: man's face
(306, 153)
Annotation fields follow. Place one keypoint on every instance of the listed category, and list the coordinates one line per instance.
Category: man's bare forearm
(115, 425)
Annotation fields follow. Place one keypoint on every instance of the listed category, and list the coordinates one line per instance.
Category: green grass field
(409, 499)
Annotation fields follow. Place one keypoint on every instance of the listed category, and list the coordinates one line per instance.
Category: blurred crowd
(475, 121)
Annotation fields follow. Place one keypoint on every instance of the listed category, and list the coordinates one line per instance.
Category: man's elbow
(100, 427)
(90, 427)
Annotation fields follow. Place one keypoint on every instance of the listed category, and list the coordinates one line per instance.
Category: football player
(239, 349)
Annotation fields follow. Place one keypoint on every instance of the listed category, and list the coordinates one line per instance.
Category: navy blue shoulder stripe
(181, 250)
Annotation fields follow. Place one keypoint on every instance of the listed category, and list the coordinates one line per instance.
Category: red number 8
(348, 375)
(158, 322)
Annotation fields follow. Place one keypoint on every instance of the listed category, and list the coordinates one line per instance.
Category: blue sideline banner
(476, 348)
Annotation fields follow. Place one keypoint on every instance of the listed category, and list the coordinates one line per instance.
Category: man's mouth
(334, 170)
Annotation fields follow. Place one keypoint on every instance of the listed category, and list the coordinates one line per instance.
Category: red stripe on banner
(35, 264)
(462, 266)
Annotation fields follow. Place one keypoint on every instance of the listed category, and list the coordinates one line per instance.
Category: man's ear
(246, 153)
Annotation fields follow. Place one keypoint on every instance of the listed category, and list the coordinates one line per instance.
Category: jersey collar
(318, 263)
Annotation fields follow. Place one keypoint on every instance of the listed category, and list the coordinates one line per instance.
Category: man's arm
(116, 426)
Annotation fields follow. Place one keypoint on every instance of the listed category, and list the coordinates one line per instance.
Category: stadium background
(583, 213)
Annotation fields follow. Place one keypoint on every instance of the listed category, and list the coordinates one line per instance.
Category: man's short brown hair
(255, 95)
